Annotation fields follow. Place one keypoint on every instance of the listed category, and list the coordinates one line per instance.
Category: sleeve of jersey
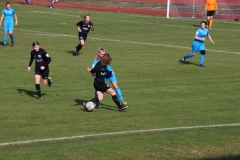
(96, 68)
(31, 60)
(47, 57)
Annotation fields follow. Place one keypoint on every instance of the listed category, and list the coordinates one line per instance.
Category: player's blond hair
(100, 49)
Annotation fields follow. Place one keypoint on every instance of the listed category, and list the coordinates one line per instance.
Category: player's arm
(92, 27)
(200, 39)
(210, 38)
(30, 62)
(2, 17)
(47, 57)
(16, 19)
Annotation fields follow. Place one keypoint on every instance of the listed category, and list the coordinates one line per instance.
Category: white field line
(112, 40)
(128, 21)
(117, 133)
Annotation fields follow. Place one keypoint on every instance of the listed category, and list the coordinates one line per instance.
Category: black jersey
(84, 26)
(41, 57)
(100, 71)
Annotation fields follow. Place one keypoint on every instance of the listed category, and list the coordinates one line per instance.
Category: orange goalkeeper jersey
(211, 5)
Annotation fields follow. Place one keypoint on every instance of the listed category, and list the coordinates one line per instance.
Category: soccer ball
(90, 106)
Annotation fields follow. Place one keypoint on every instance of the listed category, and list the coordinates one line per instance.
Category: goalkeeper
(210, 9)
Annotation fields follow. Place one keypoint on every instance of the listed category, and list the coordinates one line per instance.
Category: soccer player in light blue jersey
(7, 14)
(29, 2)
(52, 3)
(198, 43)
(111, 77)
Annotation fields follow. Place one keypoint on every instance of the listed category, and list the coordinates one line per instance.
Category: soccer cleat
(183, 59)
(49, 81)
(201, 65)
(124, 103)
(12, 43)
(122, 108)
(97, 106)
(75, 51)
(39, 98)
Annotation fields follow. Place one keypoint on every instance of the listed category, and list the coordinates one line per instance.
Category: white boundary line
(112, 40)
(117, 133)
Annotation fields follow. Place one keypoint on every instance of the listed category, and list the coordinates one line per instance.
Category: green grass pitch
(165, 97)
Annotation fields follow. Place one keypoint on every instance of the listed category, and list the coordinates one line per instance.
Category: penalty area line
(117, 133)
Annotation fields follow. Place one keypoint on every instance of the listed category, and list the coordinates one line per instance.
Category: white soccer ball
(90, 106)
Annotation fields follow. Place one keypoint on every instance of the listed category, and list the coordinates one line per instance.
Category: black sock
(38, 90)
(79, 46)
(95, 100)
(116, 100)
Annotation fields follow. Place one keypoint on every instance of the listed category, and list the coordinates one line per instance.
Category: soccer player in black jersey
(42, 60)
(83, 29)
(100, 86)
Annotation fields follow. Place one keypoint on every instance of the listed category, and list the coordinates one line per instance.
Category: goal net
(228, 9)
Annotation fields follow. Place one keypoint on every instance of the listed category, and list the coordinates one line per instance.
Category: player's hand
(29, 68)
(212, 42)
(216, 12)
(42, 67)
(16, 23)
(89, 69)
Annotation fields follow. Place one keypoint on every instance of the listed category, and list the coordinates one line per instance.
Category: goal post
(228, 9)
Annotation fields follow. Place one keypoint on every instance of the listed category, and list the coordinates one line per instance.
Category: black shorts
(210, 13)
(82, 36)
(101, 86)
(44, 73)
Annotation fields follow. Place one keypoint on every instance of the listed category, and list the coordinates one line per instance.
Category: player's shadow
(72, 53)
(187, 63)
(194, 25)
(30, 93)
(108, 107)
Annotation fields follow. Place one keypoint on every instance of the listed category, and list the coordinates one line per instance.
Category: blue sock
(4, 39)
(11, 36)
(95, 95)
(119, 94)
(202, 57)
(51, 5)
(189, 55)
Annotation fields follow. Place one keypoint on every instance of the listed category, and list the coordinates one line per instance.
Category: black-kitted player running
(99, 83)
(83, 29)
(42, 60)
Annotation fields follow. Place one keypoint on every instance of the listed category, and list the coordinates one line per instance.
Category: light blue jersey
(8, 19)
(198, 45)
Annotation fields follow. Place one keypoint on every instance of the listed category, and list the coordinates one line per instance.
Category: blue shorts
(197, 46)
(111, 78)
(8, 27)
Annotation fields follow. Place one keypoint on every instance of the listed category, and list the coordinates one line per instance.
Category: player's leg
(51, 4)
(210, 22)
(113, 80)
(46, 80)
(193, 53)
(37, 85)
(11, 36)
(97, 103)
(6, 29)
(81, 43)
(115, 99)
(202, 56)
